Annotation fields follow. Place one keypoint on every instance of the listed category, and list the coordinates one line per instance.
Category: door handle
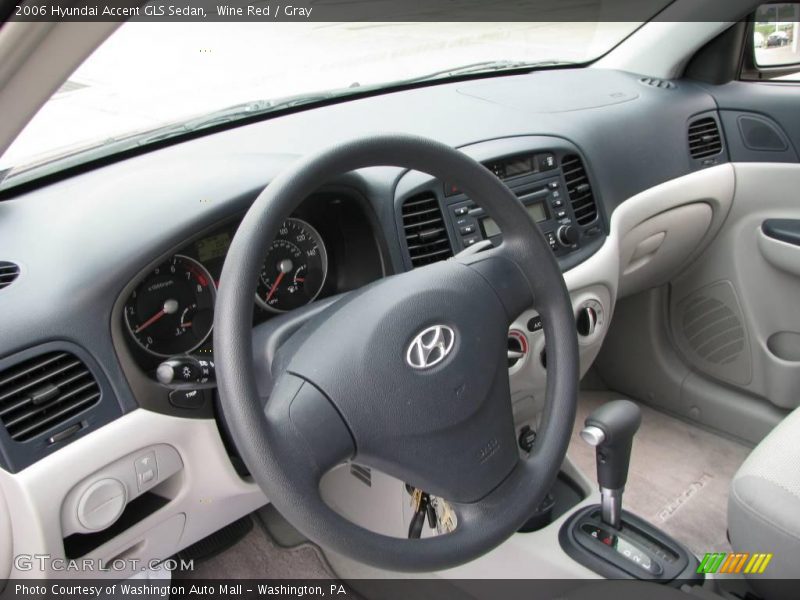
(779, 243)
(784, 230)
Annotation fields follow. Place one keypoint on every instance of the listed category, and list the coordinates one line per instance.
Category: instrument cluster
(170, 311)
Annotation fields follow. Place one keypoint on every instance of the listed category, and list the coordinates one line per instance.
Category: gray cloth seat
(764, 507)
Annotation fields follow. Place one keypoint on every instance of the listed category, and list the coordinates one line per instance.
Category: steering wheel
(407, 375)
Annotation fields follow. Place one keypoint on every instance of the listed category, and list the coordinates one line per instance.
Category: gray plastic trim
(6, 546)
(208, 493)
(763, 275)
(781, 255)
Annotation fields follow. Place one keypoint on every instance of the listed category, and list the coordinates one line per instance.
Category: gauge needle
(285, 266)
(275, 285)
(170, 306)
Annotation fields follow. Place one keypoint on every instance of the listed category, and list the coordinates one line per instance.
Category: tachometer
(172, 310)
(295, 268)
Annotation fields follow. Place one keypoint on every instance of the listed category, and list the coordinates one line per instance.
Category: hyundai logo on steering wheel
(430, 346)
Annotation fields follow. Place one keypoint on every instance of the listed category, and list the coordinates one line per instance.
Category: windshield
(148, 76)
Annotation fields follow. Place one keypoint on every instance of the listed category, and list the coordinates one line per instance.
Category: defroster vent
(579, 189)
(704, 138)
(43, 392)
(425, 231)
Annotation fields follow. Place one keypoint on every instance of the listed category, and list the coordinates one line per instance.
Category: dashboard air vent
(8, 273)
(579, 189)
(43, 392)
(662, 84)
(704, 138)
(425, 231)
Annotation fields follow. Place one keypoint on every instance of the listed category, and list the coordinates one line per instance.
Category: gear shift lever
(610, 429)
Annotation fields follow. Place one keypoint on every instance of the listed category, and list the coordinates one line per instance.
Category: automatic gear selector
(610, 429)
(606, 539)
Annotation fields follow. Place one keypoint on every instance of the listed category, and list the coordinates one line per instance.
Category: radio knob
(567, 235)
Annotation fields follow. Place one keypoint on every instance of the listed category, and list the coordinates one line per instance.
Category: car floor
(679, 474)
(259, 555)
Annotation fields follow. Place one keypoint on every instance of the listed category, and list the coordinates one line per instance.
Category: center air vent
(704, 138)
(8, 273)
(579, 189)
(425, 231)
(43, 392)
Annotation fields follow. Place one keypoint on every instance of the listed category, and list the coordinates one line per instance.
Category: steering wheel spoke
(307, 423)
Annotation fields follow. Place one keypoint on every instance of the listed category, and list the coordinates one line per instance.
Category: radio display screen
(535, 210)
(518, 166)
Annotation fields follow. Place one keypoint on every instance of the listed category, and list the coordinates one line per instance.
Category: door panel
(735, 313)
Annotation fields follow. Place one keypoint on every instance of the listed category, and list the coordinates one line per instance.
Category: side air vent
(8, 273)
(43, 392)
(704, 138)
(425, 231)
(662, 84)
(579, 189)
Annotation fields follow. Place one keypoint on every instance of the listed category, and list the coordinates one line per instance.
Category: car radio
(540, 185)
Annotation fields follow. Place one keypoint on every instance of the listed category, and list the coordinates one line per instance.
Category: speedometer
(295, 268)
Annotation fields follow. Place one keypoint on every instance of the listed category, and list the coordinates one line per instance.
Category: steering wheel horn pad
(347, 390)
(447, 429)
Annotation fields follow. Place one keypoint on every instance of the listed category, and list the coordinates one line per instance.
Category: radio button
(471, 240)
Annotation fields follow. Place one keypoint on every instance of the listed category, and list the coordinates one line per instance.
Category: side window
(773, 47)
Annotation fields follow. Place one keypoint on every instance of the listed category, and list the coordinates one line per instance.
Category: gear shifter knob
(610, 429)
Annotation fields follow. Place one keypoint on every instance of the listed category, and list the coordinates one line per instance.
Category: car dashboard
(117, 266)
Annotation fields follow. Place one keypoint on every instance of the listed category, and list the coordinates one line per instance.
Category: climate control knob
(586, 321)
(567, 235)
(589, 318)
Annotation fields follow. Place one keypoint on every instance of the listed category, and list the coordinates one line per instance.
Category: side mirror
(776, 35)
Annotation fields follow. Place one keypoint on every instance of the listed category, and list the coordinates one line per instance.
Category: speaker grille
(712, 330)
(711, 333)
(759, 134)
